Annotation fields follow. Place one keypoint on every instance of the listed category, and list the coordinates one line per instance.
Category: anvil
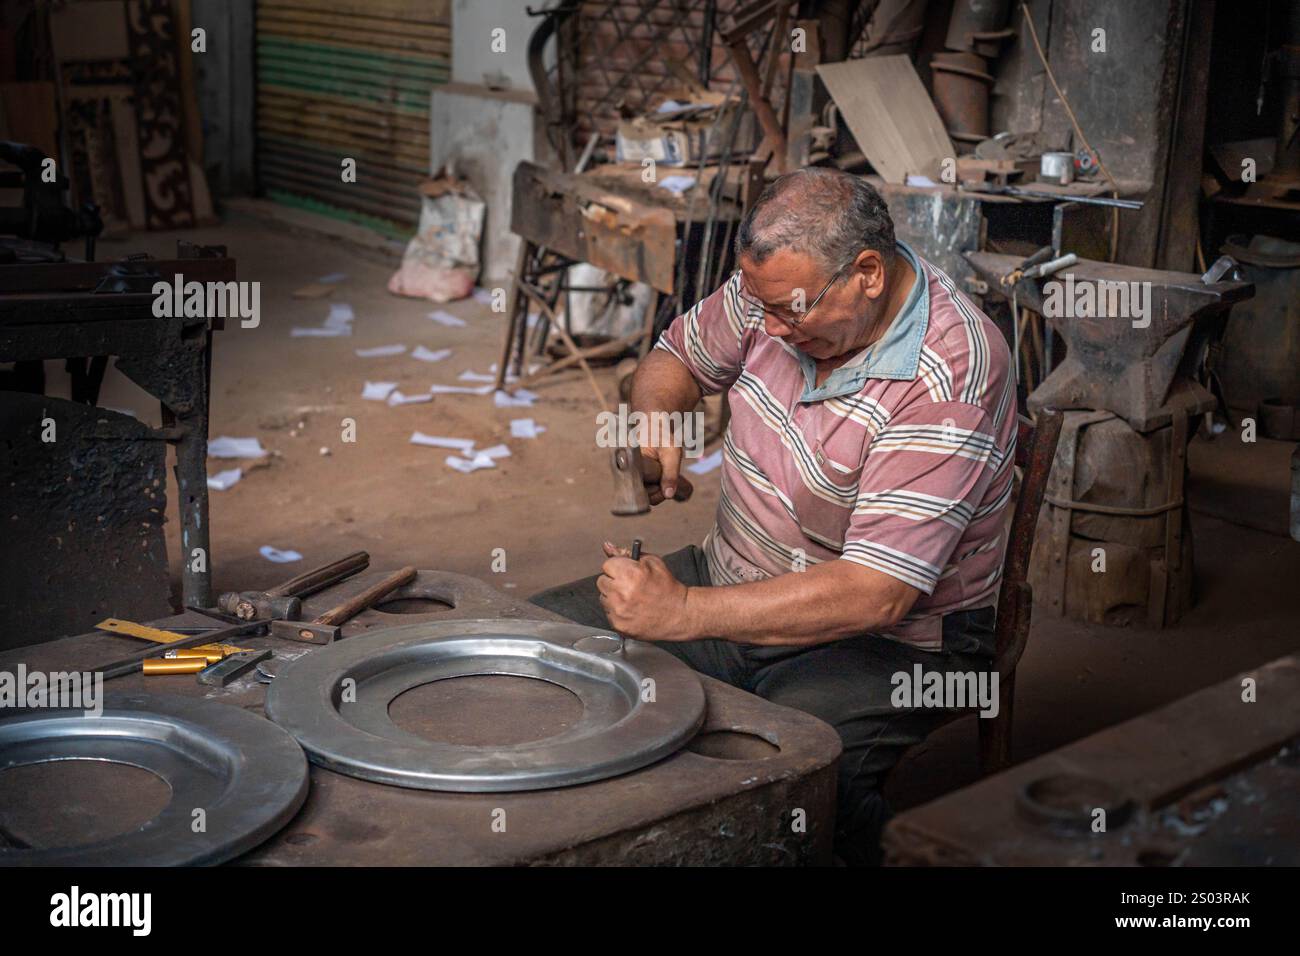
(1134, 337)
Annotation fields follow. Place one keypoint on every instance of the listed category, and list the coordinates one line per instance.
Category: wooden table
(1210, 779)
(756, 786)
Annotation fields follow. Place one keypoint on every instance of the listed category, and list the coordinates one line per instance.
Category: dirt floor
(547, 505)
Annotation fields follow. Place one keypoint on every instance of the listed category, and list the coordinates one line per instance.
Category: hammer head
(251, 605)
(630, 497)
(306, 632)
(634, 477)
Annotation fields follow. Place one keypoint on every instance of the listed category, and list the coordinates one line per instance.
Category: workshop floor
(547, 505)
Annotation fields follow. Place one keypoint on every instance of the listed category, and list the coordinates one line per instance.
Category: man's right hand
(669, 483)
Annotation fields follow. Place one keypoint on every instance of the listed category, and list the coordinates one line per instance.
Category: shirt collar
(895, 355)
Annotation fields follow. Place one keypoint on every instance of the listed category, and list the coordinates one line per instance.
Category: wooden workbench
(1210, 779)
(729, 798)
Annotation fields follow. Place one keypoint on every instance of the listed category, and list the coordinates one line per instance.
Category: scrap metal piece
(231, 668)
(336, 703)
(248, 776)
(83, 512)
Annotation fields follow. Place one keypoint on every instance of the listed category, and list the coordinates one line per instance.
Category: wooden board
(578, 219)
(890, 115)
(127, 138)
(89, 30)
(31, 116)
(1161, 761)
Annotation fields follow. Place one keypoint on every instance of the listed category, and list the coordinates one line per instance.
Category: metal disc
(336, 703)
(247, 775)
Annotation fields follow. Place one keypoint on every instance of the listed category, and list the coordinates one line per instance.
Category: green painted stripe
(367, 82)
(405, 101)
(431, 68)
(384, 227)
(415, 107)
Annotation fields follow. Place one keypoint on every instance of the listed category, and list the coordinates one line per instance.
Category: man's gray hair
(823, 213)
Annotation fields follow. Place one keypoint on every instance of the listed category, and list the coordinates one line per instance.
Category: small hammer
(284, 601)
(328, 626)
(632, 473)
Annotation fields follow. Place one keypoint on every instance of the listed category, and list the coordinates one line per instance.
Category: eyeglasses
(788, 316)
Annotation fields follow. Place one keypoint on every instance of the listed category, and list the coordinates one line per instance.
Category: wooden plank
(89, 30)
(1156, 759)
(438, 51)
(65, 277)
(325, 120)
(385, 197)
(363, 81)
(590, 224)
(347, 145)
(333, 21)
(317, 160)
(407, 72)
(271, 97)
(407, 105)
(890, 114)
(340, 129)
(389, 212)
(404, 100)
(417, 11)
(31, 115)
(202, 199)
(127, 138)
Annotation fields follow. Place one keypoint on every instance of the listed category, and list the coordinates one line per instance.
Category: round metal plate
(246, 774)
(336, 703)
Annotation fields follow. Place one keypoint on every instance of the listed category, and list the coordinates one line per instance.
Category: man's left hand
(642, 598)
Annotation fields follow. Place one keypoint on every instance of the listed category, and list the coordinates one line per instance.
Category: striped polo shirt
(900, 461)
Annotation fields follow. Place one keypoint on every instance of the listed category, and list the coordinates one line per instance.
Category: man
(866, 471)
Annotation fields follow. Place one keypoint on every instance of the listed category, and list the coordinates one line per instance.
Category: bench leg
(995, 732)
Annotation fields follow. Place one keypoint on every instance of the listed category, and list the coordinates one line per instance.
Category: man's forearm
(663, 384)
(825, 603)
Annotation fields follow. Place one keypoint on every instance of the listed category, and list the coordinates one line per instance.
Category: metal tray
(246, 774)
(336, 703)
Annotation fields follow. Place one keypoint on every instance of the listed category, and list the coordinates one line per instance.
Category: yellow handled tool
(173, 665)
(157, 636)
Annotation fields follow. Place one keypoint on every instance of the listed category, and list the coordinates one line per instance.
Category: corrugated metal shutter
(343, 79)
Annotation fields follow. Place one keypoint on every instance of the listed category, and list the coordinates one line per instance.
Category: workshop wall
(1157, 57)
(349, 79)
(226, 90)
(484, 122)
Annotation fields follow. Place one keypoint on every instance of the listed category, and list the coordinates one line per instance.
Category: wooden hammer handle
(309, 582)
(371, 595)
(652, 473)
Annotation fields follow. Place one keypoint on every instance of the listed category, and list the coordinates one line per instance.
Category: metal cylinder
(1056, 168)
(973, 18)
(961, 95)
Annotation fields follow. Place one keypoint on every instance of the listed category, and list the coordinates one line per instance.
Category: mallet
(632, 473)
(328, 626)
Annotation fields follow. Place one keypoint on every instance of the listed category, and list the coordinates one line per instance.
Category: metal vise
(1134, 337)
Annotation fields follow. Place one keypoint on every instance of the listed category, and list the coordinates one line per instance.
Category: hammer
(283, 602)
(327, 627)
(632, 473)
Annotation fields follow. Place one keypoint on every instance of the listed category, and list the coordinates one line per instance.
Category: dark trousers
(846, 683)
